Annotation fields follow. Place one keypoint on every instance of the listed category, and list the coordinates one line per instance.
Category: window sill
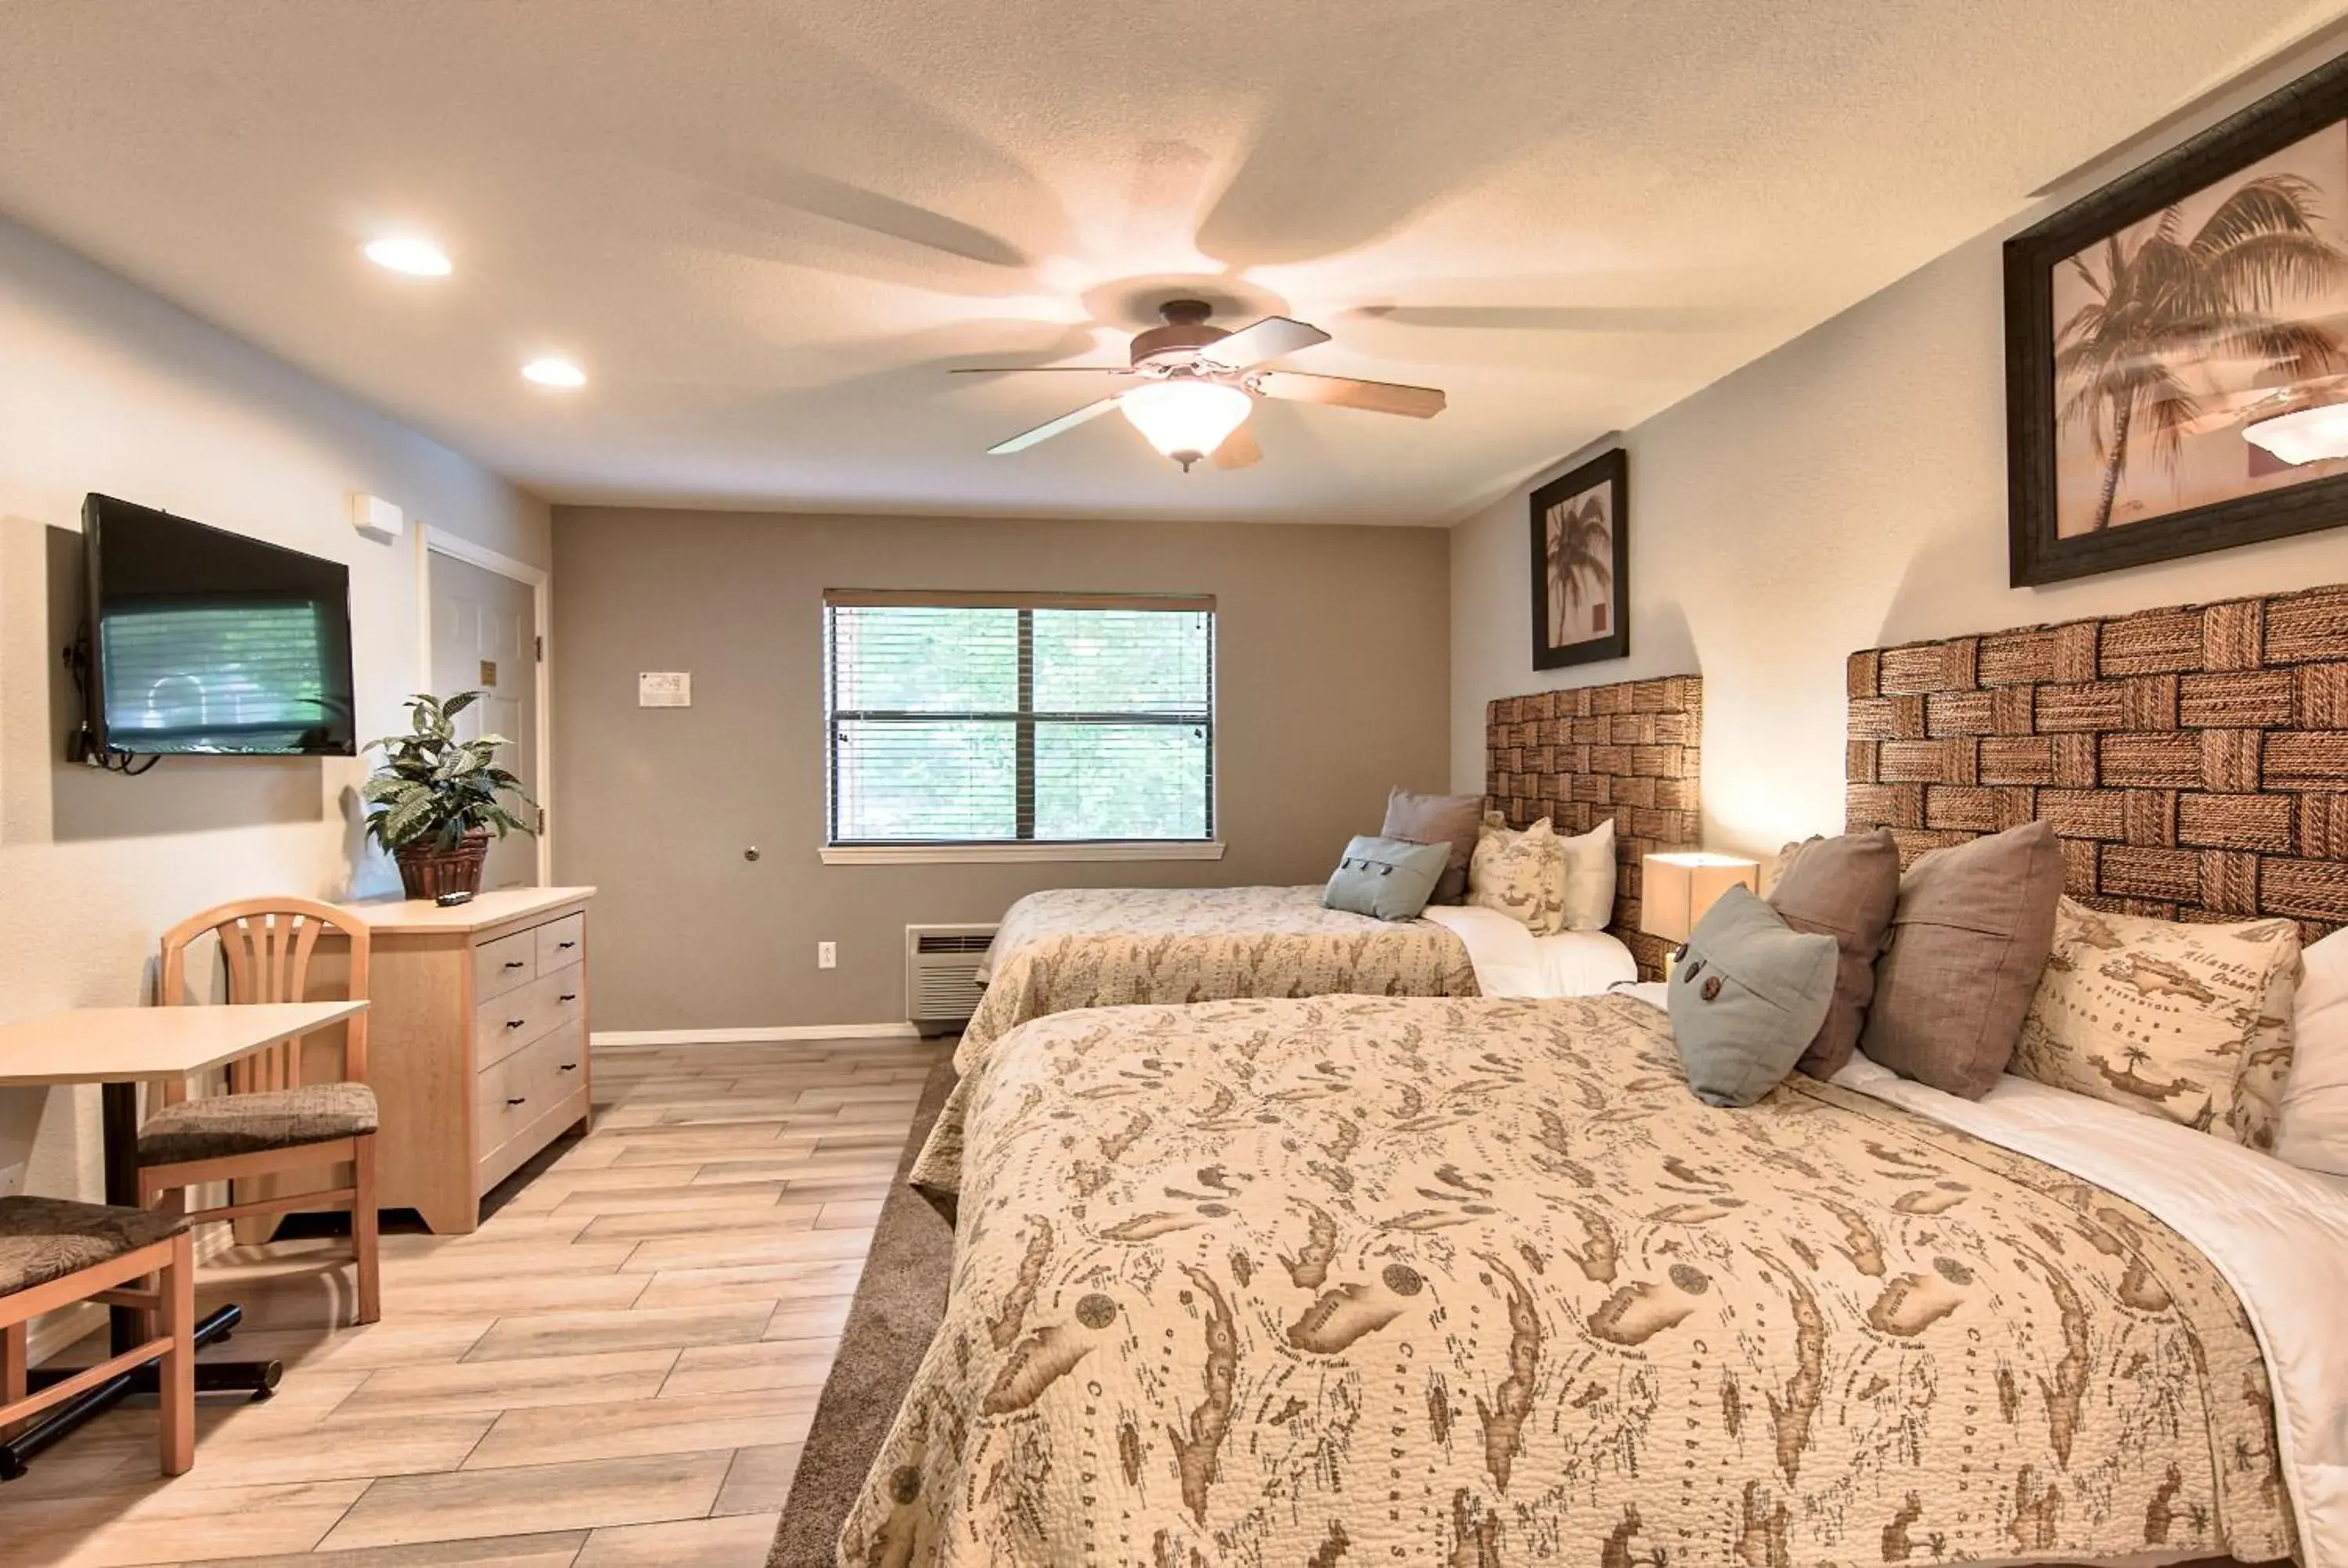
(1010, 854)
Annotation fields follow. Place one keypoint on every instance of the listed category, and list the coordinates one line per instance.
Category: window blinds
(988, 719)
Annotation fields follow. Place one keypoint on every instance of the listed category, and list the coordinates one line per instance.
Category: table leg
(118, 1116)
(119, 1121)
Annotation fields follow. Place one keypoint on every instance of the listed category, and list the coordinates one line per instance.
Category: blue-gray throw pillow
(1746, 999)
(1391, 878)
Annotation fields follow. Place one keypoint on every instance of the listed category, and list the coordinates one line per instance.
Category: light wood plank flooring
(616, 1369)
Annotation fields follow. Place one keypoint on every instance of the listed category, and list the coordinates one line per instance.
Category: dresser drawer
(502, 1025)
(514, 1093)
(499, 965)
(560, 943)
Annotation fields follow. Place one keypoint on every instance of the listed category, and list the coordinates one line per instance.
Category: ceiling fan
(1195, 384)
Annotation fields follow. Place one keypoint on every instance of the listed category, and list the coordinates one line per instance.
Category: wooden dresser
(478, 1041)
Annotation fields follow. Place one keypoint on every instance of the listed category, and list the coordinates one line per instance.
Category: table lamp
(1675, 889)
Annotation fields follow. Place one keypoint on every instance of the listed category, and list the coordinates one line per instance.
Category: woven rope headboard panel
(1629, 751)
(2194, 760)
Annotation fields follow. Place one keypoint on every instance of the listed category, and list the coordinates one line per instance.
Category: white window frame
(1011, 852)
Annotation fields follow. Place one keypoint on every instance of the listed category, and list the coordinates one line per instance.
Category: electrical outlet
(826, 955)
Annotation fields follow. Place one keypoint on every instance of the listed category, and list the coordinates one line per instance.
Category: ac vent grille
(941, 989)
(965, 942)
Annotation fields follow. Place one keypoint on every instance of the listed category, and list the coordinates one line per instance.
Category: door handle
(569, 1067)
(564, 946)
(519, 1099)
(516, 963)
(568, 997)
(515, 1023)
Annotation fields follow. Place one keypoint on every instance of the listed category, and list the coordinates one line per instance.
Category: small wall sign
(664, 689)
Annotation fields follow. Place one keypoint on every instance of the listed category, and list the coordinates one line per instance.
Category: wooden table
(119, 1049)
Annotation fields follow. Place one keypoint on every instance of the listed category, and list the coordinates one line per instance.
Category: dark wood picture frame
(2036, 551)
(1612, 470)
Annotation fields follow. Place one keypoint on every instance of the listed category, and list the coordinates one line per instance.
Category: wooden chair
(271, 1121)
(54, 1253)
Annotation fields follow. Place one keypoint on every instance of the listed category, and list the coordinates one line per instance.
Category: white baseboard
(754, 1036)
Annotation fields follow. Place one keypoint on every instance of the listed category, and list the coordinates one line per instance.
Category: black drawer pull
(517, 963)
(564, 946)
(568, 997)
(519, 1099)
(569, 1067)
(515, 1023)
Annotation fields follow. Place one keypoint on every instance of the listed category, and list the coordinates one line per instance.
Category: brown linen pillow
(1845, 888)
(1450, 819)
(1969, 937)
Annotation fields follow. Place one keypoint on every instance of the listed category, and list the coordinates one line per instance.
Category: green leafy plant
(434, 786)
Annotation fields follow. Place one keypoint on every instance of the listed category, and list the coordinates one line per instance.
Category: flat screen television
(208, 642)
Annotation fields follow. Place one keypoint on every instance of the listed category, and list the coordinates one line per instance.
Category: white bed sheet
(1510, 961)
(2278, 1235)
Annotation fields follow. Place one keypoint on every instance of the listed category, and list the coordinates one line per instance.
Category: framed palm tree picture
(1581, 565)
(2171, 339)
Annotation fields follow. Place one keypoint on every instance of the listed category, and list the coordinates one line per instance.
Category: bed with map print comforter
(1071, 947)
(1470, 1282)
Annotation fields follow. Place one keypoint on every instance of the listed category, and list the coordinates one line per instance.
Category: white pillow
(2314, 1134)
(1589, 880)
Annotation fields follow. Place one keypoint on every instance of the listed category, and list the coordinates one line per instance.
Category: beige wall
(1332, 653)
(1845, 492)
(105, 388)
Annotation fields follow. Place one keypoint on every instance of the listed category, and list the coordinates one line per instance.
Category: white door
(485, 639)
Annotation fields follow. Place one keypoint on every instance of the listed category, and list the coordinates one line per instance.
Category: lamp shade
(2304, 435)
(1675, 889)
(1184, 418)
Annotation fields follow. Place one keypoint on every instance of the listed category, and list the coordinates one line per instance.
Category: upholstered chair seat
(42, 1239)
(222, 1125)
(55, 1252)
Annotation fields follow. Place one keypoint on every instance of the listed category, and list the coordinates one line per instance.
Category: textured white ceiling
(768, 229)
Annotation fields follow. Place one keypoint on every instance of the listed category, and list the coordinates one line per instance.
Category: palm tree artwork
(2167, 312)
(1581, 549)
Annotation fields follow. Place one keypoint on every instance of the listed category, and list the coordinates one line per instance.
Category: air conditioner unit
(941, 989)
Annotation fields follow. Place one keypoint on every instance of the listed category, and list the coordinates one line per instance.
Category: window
(1007, 720)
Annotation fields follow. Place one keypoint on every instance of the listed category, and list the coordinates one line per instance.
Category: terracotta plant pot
(428, 871)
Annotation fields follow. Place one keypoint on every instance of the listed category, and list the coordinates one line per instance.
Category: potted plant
(436, 800)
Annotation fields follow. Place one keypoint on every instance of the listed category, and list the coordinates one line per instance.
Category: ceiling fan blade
(1069, 421)
(1239, 450)
(1562, 318)
(1344, 392)
(1040, 370)
(1268, 339)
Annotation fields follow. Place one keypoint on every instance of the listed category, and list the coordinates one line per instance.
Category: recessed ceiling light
(418, 258)
(554, 372)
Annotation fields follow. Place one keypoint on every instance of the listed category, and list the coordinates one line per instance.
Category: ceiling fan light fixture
(2304, 435)
(1186, 418)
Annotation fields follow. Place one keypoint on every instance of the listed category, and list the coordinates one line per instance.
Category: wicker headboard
(2194, 760)
(1629, 751)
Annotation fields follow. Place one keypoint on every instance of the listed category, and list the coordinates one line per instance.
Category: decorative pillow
(1521, 875)
(2314, 1134)
(1590, 879)
(2181, 1020)
(1747, 997)
(1451, 819)
(1845, 888)
(1969, 937)
(1387, 877)
(1788, 853)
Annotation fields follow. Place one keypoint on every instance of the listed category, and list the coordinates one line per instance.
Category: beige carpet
(899, 1302)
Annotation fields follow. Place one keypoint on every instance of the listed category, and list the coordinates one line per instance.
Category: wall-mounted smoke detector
(375, 518)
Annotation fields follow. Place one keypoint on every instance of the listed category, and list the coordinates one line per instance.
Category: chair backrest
(267, 945)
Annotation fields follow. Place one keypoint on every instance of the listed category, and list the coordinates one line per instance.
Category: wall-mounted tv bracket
(82, 746)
